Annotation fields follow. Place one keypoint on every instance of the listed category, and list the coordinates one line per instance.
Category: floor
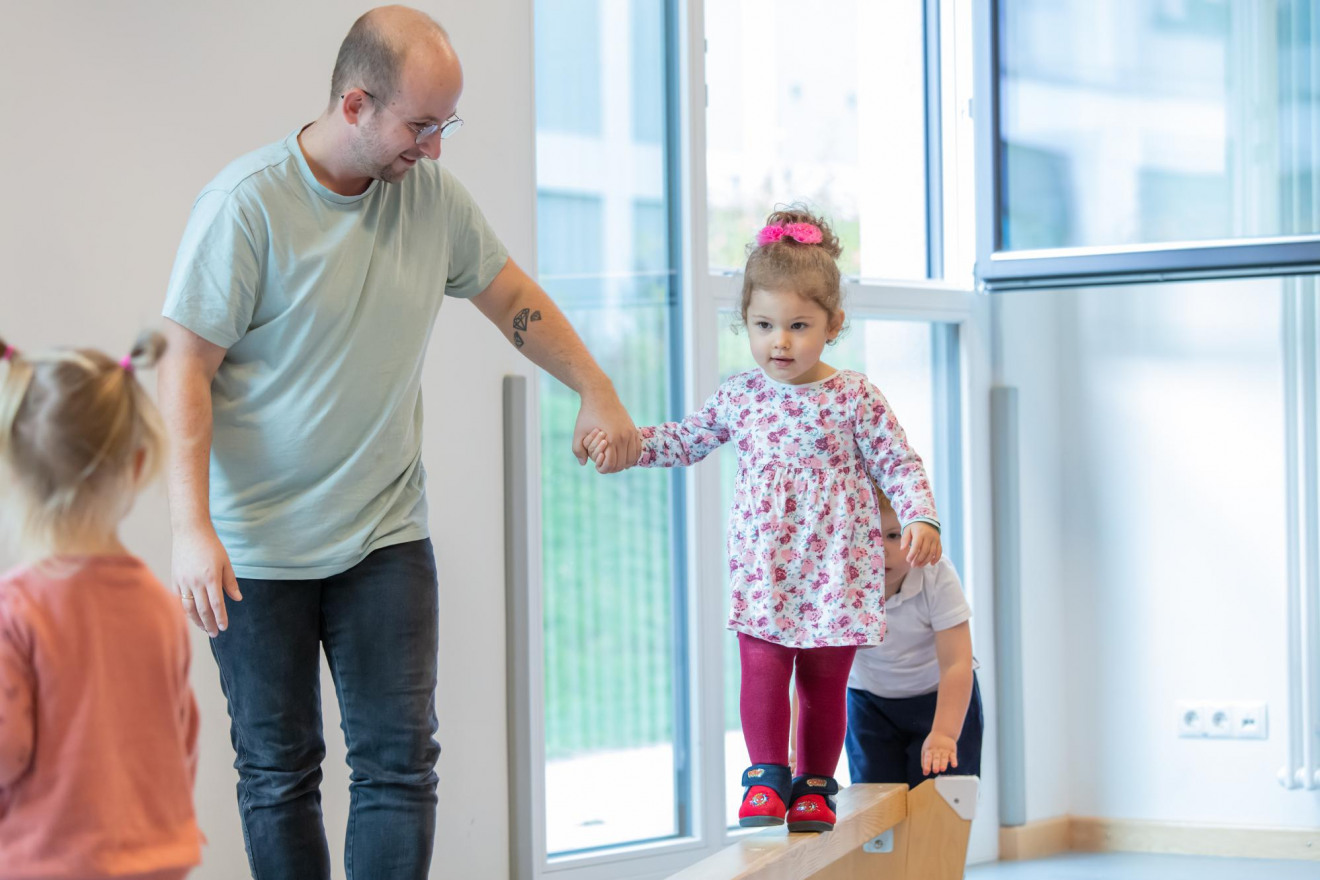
(1135, 866)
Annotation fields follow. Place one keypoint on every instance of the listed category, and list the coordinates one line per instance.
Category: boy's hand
(921, 540)
(938, 753)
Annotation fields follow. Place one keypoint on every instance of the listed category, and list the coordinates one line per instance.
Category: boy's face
(896, 564)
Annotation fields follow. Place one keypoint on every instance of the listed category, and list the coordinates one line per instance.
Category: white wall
(1027, 355)
(116, 115)
(1153, 549)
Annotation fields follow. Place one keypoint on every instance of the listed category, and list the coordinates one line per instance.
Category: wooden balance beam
(884, 832)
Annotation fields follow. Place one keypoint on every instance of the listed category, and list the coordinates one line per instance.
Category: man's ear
(351, 105)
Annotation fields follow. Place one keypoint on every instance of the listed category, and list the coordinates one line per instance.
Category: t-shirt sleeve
(17, 692)
(476, 254)
(944, 595)
(217, 271)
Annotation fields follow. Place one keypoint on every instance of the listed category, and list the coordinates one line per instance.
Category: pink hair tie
(804, 233)
(127, 362)
(10, 351)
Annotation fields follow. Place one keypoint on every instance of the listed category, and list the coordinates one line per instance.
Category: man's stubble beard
(364, 155)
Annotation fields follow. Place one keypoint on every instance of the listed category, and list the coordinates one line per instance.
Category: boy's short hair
(881, 499)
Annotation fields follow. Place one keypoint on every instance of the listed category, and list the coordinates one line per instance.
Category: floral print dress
(806, 555)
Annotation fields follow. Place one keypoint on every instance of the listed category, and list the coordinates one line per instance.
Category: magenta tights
(822, 686)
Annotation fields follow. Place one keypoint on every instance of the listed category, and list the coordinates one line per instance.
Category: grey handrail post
(517, 617)
(1008, 606)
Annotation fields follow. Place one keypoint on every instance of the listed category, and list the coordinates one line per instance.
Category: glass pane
(608, 543)
(1137, 122)
(898, 358)
(825, 106)
(568, 67)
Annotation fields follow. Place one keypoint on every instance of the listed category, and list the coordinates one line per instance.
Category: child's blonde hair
(783, 262)
(72, 423)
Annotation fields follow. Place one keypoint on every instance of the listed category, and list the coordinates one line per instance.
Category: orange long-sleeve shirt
(98, 723)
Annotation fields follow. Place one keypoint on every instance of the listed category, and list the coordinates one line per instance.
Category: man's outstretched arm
(529, 319)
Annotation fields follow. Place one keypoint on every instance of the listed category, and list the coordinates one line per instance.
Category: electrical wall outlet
(1250, 721)
(1222, 720)
(1191, 719)
(1219, 721)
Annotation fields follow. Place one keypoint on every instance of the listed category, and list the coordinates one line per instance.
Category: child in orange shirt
(98, 725)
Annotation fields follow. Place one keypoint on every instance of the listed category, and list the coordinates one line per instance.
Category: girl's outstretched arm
(679, 444)
(673, 444)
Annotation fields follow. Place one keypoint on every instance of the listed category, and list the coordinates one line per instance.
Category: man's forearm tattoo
(520, 322)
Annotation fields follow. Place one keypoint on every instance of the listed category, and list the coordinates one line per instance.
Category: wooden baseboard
(1128, 835)
(1061, 834)
(1034, 840)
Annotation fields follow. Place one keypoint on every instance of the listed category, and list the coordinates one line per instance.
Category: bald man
(299, 310)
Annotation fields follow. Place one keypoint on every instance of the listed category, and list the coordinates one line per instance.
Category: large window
(1147, 135)
(825, 106)
(670, 128)
(612, 652)
(840, 109)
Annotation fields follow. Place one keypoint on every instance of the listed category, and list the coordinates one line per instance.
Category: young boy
(914, 708)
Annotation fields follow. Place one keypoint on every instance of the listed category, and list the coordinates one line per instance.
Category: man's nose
(430, 147)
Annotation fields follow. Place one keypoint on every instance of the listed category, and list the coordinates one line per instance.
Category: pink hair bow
(10, 351)
(805, 233)
(126, 362)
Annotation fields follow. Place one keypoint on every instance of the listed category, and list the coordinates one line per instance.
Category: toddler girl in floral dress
(806, 555)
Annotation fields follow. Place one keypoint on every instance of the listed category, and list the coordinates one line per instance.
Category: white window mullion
(705, 524)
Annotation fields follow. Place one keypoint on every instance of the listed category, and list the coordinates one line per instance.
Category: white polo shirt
(905, 664)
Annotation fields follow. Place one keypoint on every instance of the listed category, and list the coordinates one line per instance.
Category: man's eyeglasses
(446, 128)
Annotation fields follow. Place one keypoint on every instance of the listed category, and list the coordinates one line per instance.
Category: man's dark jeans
(378, 622)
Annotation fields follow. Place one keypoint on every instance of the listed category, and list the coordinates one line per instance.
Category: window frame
(529, 857)
(999, 270)
(950, 194)
(698, 511)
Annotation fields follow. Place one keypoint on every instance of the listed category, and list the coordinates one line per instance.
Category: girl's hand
(597, 443)
(938, 753)
(922, 542)
(602, 410)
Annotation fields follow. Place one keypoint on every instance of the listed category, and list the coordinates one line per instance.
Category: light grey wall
(1153, 547)
(116, 114)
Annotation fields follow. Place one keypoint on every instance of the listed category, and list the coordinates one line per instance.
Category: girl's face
(788, 333)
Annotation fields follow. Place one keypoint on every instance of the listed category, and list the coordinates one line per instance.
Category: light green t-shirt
(325, 304)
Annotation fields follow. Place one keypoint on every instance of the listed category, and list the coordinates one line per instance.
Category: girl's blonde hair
(810, 270)
(72, 423)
